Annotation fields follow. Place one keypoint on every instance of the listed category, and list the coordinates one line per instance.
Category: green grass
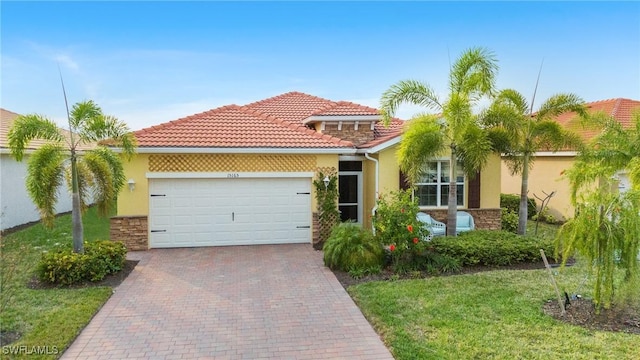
(545, 230)
(490, 315)
(47, 317)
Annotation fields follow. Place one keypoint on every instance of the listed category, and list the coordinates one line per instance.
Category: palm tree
(95, 174)
(529, 133)
(472, 76)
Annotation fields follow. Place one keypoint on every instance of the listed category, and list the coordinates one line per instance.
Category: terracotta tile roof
(276, 122)
(234, 126)
(346, 108)
(6, 121)
(292, 106)
(620, 108)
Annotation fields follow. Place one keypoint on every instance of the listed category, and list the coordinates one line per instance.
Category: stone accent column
(130, 230)
(315, 232)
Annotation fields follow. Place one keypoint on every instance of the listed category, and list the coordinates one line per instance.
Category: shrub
(65, 267)
(511, 202)
(487, 247)
(395, 221)
(436, 263)
(351, 248)
(546, 217)
(509, 221)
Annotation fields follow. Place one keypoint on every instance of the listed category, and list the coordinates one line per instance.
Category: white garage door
(216, 212)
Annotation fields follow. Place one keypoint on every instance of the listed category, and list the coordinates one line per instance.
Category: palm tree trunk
(76, 217)
(453, 196)
(524, 201)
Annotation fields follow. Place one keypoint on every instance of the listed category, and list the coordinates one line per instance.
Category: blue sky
(151, 62)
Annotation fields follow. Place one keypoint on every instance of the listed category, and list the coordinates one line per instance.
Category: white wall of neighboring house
(16, 207)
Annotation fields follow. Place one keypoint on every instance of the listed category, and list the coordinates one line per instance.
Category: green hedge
(64, 267)
(511, 202)
(489, 247)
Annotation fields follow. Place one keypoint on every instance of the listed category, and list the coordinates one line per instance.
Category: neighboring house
(239, 175)
(546, 174)
(16, 207)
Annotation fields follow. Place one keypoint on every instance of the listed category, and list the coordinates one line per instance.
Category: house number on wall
(233, 175)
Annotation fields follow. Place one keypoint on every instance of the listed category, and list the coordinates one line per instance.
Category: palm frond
(561, 103)
(45, 173)
(29, 127)
(500, 139)
(474, 149)
(82, 112)
(103, 189)
(422, 140)
(407, 91)
(634, 173)
(115, 166)
(111, 131)
(474, 73)
(551, 136)
(458, 114)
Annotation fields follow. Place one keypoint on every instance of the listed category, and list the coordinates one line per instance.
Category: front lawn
(489, 315)
(49, 318)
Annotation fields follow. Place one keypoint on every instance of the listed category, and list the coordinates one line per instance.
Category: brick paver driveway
(239, 302)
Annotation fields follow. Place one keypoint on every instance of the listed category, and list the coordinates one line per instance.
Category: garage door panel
(214, 212)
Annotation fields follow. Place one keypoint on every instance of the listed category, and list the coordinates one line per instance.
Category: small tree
(95, 174)
(606, 224)
(527, 133)
(455, 128)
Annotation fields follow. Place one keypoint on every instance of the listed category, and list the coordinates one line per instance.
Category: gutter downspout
(375, 208)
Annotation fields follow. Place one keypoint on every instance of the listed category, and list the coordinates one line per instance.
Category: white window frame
(439, 184)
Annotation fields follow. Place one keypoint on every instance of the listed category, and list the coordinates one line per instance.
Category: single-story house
(546, 174)
(16, 207)
(239, 175)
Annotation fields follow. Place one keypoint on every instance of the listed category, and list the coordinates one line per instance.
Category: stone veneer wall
(315, 232)
(362, 135)
(485, 219)
(130, 230)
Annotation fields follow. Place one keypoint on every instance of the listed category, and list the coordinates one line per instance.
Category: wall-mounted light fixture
(326, 181)
(132, 184)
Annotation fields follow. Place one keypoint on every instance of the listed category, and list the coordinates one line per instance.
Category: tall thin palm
(93, 175)
(472, 76)
(529, 133)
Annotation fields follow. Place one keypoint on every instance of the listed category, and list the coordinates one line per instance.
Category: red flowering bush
(396, 225)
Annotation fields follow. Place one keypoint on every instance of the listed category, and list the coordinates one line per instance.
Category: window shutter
(474, 192)
(404, 182)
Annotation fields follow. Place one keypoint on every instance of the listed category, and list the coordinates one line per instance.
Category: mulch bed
(111, 280)
(580, 312)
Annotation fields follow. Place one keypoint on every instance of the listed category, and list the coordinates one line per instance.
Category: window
(433, 188)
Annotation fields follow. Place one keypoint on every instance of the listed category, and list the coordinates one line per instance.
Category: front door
(350, 191)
